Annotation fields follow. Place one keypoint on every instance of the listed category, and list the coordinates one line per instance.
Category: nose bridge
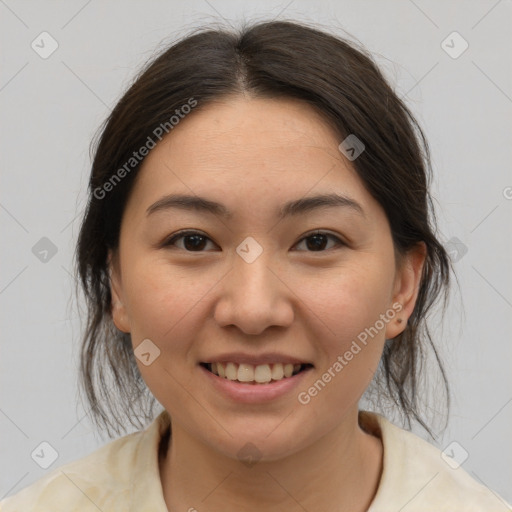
(253, 297)
(252, 274)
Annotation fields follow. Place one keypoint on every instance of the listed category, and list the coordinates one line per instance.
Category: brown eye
(317, 241)
(193, 241)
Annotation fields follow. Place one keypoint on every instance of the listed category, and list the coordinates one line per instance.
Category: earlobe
(407, 285)
(117, 308)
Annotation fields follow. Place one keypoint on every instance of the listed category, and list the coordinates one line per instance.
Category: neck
(339, 472)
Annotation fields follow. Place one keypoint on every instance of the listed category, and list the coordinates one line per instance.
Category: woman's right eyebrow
(291, 208)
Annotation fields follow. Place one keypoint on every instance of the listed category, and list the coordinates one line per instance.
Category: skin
(253, 155)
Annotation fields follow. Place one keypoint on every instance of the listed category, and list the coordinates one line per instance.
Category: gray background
(52, 107)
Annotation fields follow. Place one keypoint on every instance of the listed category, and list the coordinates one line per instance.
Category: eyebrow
(291, 208)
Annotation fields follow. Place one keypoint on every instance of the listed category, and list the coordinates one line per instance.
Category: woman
(258, 248)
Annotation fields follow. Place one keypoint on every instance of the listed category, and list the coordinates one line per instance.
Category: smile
(255, 374)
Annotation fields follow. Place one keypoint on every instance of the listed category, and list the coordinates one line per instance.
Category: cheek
(352, 333)
(350, 303)
(164, 299)
(351, 347)
(165, 307)
(158, 298)
(355, 308)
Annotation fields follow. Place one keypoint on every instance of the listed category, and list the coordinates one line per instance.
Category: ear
(406, 288)
(117, 307)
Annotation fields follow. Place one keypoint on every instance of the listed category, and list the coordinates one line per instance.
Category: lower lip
(254, 393)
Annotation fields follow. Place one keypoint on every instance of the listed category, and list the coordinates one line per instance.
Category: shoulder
(417, 476)
(100, 479)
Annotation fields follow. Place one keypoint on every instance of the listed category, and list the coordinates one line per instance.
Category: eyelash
(182, 234)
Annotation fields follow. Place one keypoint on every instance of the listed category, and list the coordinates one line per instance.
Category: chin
(261, 445)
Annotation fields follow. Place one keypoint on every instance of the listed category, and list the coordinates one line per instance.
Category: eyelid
(185, 232)
(339, 240)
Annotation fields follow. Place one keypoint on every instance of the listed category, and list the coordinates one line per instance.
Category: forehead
(277, 143)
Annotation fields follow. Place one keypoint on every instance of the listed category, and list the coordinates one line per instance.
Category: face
(316, 286)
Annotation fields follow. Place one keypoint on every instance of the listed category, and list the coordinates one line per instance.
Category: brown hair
(270, 60)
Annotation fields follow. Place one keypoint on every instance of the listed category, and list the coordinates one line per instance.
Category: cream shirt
(124, 475)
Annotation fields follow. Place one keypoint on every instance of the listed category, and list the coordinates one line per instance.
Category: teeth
(261, 373)
(246, 373)
(277, 371)
(231, 371)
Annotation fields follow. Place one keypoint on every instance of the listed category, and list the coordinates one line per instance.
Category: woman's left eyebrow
(291, 208)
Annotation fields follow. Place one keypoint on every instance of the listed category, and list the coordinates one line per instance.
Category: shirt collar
(146, 494)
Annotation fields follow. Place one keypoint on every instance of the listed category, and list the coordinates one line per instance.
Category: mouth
(255, 374)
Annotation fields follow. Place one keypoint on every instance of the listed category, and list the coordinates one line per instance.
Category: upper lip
(241, 358)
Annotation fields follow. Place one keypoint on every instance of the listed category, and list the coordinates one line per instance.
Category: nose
(253, 296)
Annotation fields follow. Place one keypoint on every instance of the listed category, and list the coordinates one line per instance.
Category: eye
(195, 241)
(318, 240)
